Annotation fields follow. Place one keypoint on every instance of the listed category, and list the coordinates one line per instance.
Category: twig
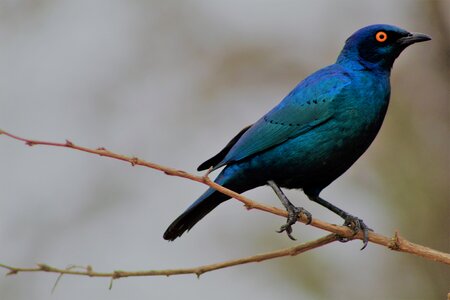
(291, 251)
(396, 243)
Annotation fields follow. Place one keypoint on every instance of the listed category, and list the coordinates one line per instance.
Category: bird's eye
(381, 36)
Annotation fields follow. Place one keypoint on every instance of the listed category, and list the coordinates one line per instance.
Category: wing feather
(309, 105)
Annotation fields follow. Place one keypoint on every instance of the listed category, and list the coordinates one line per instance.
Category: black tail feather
(193, 214)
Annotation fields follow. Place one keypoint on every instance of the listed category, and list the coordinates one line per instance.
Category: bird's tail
(200, 208)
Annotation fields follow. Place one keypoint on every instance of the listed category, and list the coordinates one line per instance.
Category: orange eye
(381, 36)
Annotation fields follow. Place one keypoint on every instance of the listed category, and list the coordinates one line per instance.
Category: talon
(293, 214)
(291, 237)
(293, 211)
(343, 239)
(288, 229)
(357, 225)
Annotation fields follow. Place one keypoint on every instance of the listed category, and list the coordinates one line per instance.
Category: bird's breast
(360, 110)
(331, 148)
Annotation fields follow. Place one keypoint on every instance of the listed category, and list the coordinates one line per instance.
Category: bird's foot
(356, 225)
(293, 214)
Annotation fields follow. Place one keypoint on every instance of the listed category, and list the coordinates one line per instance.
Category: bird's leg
(351, 221)
(293, 211)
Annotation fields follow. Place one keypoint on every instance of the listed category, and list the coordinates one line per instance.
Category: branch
(395, 243)
(88, 271)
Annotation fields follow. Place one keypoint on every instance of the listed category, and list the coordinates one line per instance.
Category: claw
(293, 214)
(288, 229)
(357, 225)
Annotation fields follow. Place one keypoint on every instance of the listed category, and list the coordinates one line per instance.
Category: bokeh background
(172, 82)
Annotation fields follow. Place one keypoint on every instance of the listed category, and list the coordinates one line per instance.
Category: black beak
(413, 38)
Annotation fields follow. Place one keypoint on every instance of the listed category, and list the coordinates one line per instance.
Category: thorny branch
(395, 243)
(88, 271)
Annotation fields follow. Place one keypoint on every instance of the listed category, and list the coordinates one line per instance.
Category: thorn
(89, 269)
(12, 272)
(134, 161)
(44, 267)
(102, 149)
(248, 207)
(394, 243)
(69, 143)
(117, 274)
(30, 143)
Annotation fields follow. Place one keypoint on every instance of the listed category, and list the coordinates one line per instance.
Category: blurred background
(171, 82)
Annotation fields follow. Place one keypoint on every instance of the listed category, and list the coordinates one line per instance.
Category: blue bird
(314, 134)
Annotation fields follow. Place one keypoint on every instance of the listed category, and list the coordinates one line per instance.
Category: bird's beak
(413, 38)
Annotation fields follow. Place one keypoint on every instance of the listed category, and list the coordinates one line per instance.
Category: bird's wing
(221, 155)
(306, 107)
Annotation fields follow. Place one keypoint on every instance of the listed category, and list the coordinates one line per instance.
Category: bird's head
(377, 46)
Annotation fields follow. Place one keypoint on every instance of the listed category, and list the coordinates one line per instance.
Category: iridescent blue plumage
(315, 133)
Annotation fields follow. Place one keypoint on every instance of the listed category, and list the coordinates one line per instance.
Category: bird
(314, 134)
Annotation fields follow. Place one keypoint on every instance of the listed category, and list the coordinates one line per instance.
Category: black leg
(353, 222)
(293, 211)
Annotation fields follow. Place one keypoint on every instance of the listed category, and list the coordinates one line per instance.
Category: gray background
(172, 82)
